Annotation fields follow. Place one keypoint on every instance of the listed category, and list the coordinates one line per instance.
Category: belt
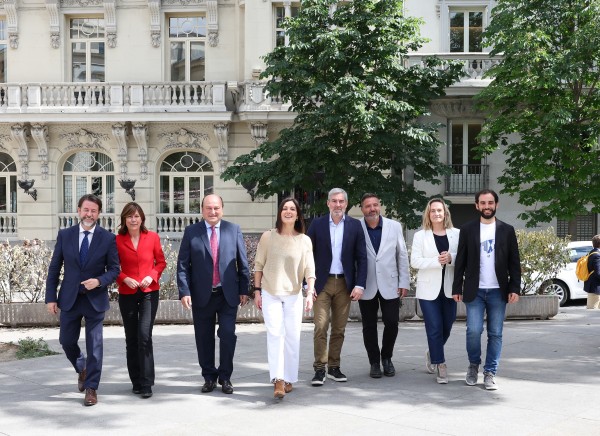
(217, 289)
(336, 276)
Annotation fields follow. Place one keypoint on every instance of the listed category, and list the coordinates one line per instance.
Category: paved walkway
(549, 382)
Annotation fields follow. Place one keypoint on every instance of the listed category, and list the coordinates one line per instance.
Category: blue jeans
(490, 301)
(439, 315)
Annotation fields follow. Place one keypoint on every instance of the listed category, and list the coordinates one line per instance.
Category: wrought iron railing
(467, 179)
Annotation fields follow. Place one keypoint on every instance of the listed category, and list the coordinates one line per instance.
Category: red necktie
(214, 249)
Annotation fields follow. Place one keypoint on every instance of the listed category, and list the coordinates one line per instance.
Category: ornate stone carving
(39, 132)
(84, 139)
(53, 6)
(212, 21)
(183, 138)
(154, 7)
(183, 2)
(20, 133)
(258, 132)
(140, 133)
(119, 131)
(110, 22)
(80, 3)
(222, 134)
(12, 22)
(453, 108)
(4, 139)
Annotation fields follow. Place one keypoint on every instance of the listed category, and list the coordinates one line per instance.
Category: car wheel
(560, 289)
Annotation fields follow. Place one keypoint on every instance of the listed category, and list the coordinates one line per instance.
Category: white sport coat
(424, 257)
(387, 270)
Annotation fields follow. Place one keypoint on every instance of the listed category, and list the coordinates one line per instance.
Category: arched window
(185, 178)
(88, 172)
(8, 184)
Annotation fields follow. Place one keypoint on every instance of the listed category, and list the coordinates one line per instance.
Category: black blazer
(354, 252)
(592, 284)
(506, 256)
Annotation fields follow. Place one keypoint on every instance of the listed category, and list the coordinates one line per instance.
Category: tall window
(3, 51)
(582, 228)
(8, 184)
(280, 16)
(185, 178)
(88, 172)
(463, 143)
(466, 28)
(187, 39)
(87, 49)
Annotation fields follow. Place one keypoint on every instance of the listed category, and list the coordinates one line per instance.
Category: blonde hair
(427, 220)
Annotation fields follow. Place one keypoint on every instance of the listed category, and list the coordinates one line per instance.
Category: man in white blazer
(388, 280)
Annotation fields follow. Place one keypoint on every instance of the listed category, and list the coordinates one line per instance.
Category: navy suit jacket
(354, 252)
(195, 264)
(102, 263)
(506, 256)
(592, 284)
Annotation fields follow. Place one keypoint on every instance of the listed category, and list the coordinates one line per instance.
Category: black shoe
(137, 389)
(146, 392)
(336, 374)
(319, 378)
(226, 386)
(375, 370)
(388, 368)
(209, 386)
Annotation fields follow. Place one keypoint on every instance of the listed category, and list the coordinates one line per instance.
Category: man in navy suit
(487, 275)
(341, 270)
(91, 263)
(213, 279)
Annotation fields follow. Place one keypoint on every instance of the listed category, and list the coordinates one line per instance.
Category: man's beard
(484, 211)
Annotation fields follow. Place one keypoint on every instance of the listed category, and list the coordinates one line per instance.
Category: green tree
(358, 104)
(543, 105)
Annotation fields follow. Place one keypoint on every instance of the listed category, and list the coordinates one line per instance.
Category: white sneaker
(428, 365)
(442, 373)
(489, 381)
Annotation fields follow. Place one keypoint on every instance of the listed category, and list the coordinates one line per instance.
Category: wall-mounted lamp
(127, 185)
(26, 186)
(250, 186)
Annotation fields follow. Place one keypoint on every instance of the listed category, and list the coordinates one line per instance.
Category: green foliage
(29, 348)
(544, 104)
(543, 255)
(358, 104)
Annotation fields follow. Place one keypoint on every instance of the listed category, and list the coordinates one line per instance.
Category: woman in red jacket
(142, 263)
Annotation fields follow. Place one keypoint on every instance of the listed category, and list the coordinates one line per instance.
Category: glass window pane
(457, 147)
(97, 67)
(279, 17)
(457, 32)
(2, 63)
(178, 195)
(80, 189)
(13, 194)
(165, 194)
(295, 11)
(3, 30)
(97, 188)
(279, 38)
(475, 31)
(197, 61)
(195, 195)
(177, 61)
(67, 193)
(474, 162)
(208, 185)
(3, 203)
(109, 206)
(78, 69)
(187, 27)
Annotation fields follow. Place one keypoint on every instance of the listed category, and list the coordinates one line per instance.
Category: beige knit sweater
(284, 261)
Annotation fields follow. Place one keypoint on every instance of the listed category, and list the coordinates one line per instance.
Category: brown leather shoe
(287, 387)
(81, 380)
(91, 398)
(279, 389)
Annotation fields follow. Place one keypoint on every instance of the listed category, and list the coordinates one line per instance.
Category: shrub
(23, 271)
(30, 347)
(543, 255)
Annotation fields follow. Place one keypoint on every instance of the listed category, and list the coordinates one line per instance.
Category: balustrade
(174, 223)
(107, 222)
(8, 224)
(475, 65)
(467, 179)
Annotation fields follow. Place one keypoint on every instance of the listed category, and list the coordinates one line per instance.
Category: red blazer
(147, 260)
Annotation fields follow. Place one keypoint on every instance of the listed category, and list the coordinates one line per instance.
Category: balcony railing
(8, 225)
(475, 65)
(254, 97)
(174, 224)
(467, 179)
(108, 222)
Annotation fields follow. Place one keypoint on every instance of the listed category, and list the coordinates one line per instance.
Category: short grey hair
(335, 191)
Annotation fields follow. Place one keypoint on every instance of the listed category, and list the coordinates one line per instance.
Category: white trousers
(283, 320)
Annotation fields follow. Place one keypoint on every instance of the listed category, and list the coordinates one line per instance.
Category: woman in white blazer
(433, 252)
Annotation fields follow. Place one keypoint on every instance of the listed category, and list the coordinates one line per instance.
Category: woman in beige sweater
(284, 259)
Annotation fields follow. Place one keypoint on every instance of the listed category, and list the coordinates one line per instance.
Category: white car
(565, 284)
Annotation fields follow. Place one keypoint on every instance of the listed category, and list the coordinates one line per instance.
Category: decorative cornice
(20, 133)
(39, 132)
(454, 108)
(12, 22)
(154, 7)
(53, 8)
(185, 139)
(84, 139)
(212, 20)
(258, 132)
(140, 133)
(119, 131)
(183, 2)
(110, 22)
(222, 134)
(80, 3)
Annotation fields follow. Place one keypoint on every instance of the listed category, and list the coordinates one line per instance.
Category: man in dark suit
(213, 279)
(341, 269)
(487, 275)
(592, 284)
(91, 263)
